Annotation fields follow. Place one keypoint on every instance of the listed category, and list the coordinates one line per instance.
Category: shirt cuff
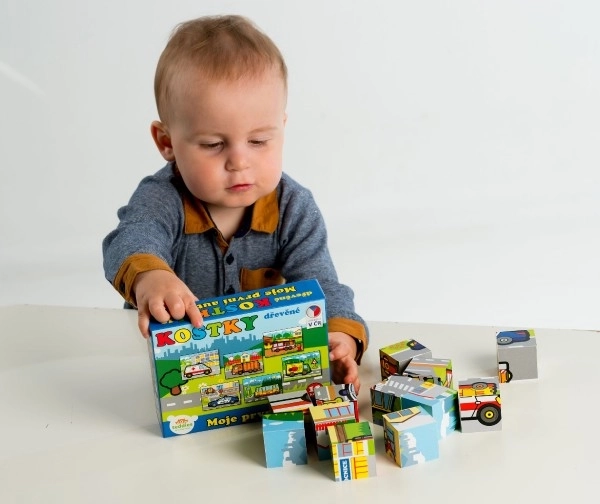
(131, 267)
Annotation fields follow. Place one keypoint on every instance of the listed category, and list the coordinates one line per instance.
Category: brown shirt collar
(265, 215)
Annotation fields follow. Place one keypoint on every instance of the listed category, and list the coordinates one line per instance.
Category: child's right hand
(162, 295)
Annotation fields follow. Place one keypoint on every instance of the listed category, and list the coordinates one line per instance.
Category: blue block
(284, 439)
(410, 436)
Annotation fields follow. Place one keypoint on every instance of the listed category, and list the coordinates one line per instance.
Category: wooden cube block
(410, 436)
(401, 392)
(327, 415)
(352, 451)
(330, 394)
(394, 358)
(437, 371)
(284, 439)
(517, 355)
(479, 404)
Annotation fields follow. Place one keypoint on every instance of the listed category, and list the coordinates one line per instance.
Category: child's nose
(237, 159)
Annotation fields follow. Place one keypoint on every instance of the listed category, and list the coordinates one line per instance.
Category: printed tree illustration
(173, 381)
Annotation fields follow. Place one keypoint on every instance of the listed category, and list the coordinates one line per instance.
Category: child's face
(227, 138)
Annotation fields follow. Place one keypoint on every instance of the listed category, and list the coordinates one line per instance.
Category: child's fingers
(351, 371)
(339, 352)
(159, 310)
(193, 313)
(143, 322)
(346, 371)
(173, 307)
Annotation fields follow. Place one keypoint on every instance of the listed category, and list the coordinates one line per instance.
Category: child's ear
(162, 139)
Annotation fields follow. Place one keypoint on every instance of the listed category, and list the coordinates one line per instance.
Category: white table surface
(78, 424)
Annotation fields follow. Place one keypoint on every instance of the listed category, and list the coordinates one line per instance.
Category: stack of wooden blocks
(329, 414)
(415, 402)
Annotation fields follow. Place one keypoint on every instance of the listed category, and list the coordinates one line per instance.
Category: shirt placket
(231, 278)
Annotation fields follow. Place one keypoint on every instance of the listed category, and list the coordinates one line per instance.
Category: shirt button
(230, 290)
(229, 259)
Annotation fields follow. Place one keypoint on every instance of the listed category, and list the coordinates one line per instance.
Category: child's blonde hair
(221, 47)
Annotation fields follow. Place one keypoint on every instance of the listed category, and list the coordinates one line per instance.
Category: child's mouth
(239, 187)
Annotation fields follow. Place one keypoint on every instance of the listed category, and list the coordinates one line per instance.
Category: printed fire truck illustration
(480, 401)
(283, 341)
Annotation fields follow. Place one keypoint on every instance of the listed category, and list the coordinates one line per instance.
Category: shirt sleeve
(149, 229)
(305, 254)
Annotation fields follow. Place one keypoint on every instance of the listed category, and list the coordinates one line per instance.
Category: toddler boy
(221, 216)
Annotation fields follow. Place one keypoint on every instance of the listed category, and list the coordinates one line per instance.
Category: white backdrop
(452, 146)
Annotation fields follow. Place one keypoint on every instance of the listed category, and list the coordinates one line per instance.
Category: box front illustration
(252, 345)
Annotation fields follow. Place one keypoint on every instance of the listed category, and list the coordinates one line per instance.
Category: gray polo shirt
(283, 238)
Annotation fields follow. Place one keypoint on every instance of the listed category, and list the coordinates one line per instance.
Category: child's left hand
(342, 351)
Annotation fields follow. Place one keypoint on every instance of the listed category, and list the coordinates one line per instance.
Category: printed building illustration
(352, 451)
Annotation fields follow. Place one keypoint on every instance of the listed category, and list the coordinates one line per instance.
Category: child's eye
(258, 142)
(212, 146)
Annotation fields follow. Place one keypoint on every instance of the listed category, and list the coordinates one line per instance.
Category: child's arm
(140, 253)
(162, 295)
(305, 254)
(342, 355)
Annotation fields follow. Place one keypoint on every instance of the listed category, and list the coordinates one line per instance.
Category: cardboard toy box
(252, 344)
